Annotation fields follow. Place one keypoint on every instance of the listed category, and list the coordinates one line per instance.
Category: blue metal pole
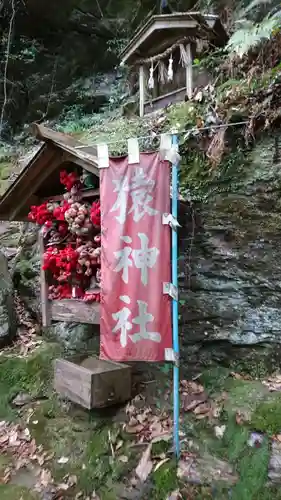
(175, 304)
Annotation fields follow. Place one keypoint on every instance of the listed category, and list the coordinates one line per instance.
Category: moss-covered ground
(83, 437)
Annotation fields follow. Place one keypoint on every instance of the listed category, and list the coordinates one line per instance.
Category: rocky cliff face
(234, 290)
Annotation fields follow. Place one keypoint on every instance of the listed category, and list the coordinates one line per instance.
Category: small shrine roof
(160, 31)
(40, 177)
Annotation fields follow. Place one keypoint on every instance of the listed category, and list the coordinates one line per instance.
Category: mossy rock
(266, 417)
(244, 395)
(32, 375)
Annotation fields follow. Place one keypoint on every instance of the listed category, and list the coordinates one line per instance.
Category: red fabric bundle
(96, 214)
(69, 180)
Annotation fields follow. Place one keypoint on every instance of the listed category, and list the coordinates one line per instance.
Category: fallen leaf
(199, 121)
(6, 477)
(175, 495)
(22, 399)
(144, 467)
(191, 401)
(119, 445)
(162, 437)
(192, 386)
(63, 460)
(202, 409)
(237, 376)
(215, 411)
(273, 383)
(130, 409)
(95, 496)
(4, 440)
(155, 429)
(124, 459)
(72, 481)
(241, 417)
(25, 434)
(134, 429)
(21, 462)
(63, 486)
(219, 431)
(41, 460)
(45, 478)
(162, 462)
(13, 439)
(134, 481)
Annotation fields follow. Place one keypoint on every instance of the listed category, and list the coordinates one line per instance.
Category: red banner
(135, 261)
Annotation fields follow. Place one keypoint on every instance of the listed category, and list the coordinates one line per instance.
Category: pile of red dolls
(73, 248)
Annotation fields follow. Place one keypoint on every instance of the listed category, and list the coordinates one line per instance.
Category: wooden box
(93, 383)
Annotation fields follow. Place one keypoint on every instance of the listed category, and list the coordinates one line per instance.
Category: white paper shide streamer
(151, 78)
(170, 69)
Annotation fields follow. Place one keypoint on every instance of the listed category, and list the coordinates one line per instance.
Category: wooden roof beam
(157, 25)
(36, 181)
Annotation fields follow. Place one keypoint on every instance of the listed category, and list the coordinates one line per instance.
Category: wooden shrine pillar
(189, 81)
(141, 90)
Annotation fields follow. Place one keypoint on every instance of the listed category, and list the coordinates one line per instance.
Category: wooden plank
(73, 382)
(89, 193)
(84, 163)
(37, 177)
(87, 159)
(169, 94)
(8, 195)
(164, 100)
(45, 303)
(188, 74)
(46, 134)
(111, 386)
(141, 89)
(75, 311)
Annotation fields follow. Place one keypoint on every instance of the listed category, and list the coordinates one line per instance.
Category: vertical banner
(135, 262)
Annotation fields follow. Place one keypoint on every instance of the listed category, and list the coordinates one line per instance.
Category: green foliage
(117, 45)
(251, 464)
(266, 417)
(253, 473)
(165, 481)
(214, 379)
(73, 120)
(249, 33)
(32, 375)
(12, 492)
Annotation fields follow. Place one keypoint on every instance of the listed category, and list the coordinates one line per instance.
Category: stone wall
(230, 271)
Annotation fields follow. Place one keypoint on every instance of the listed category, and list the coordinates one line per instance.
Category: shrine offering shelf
(86, 193)
(75, 311)
(68, 310)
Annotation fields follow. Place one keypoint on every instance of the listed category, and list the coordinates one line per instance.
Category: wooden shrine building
(163, 51)
(39, 181)
(87, 381)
